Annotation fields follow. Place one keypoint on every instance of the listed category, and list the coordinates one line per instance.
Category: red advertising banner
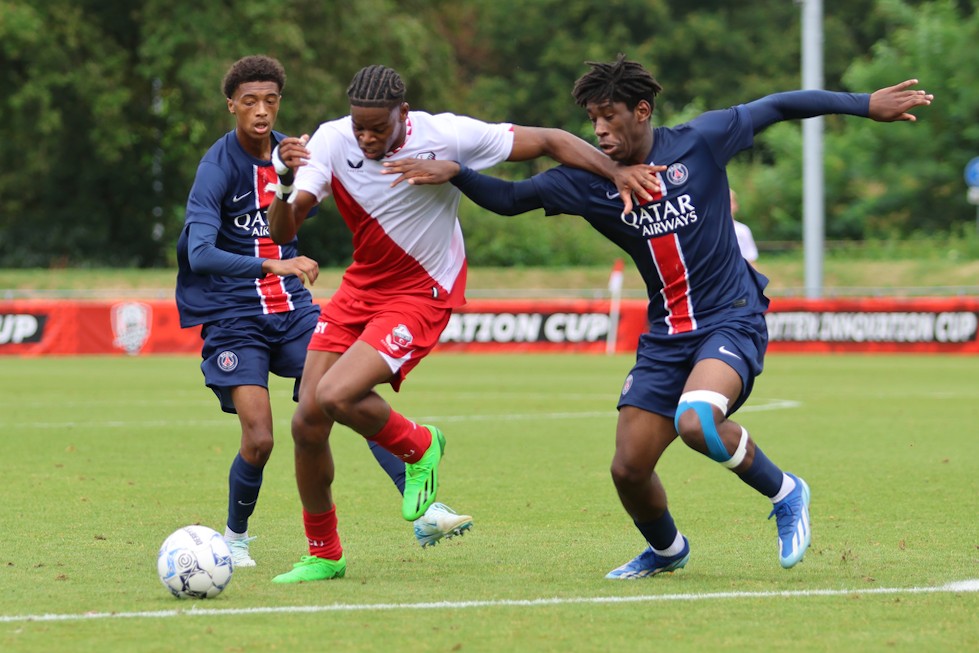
(537, 325)
(874, 325)
(948, 325)
(36, 327)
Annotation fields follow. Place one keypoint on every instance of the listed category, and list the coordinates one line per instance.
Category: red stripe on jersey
(272, 288)
(672, 268)
(379, 263)
(660, 194)
(265, 175)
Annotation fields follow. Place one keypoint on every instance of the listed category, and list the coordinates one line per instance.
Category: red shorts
(403, 329)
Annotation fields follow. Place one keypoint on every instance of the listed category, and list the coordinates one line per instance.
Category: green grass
(102, 457)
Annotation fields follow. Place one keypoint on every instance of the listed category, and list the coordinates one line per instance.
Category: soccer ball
(195, 562)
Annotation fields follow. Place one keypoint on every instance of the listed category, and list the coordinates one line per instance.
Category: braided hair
(255, 68)
(376, 86)
(619, 81)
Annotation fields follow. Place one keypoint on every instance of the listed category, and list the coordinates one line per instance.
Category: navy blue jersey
(683, 241)
(231, 193)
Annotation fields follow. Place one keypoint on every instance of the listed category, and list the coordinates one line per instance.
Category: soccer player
(707, 334)
(408, 273)
(746, 241)
(247, 292)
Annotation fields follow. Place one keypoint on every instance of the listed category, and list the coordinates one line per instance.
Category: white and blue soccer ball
(195, 562)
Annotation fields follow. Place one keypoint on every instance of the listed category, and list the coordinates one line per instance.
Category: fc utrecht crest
(131, 322)
(399, 338)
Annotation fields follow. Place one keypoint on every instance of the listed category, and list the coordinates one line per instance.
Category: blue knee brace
(702, 402)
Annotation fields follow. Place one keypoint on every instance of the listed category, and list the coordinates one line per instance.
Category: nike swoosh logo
(242, 503)
(238, 198)
(727, 352)
(611, 196)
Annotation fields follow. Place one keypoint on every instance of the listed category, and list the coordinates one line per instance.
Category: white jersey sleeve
(480, 145)
(316, 176)
(746, 242)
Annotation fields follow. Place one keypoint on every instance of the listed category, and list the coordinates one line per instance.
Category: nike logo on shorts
(727, 352)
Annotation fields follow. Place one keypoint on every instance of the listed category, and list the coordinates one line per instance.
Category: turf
(102, 457)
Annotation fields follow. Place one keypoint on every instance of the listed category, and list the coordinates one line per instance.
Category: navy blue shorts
(243, 350)
(663, 364)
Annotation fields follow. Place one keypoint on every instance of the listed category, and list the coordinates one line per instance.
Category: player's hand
(303, 267)
(288, 156)
(421, 171)
(641, 179)
(892, 104)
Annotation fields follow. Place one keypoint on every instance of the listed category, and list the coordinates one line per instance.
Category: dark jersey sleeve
(497, 195)
(206, 257)
(796, 105)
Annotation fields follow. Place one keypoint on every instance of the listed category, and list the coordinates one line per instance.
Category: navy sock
(394, 466)
(763, 475)
(244, 482)
(660, 533)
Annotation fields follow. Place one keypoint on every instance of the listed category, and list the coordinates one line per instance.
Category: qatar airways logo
(663, 217)
(253, 224)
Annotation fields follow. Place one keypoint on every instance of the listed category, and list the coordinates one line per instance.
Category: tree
(885, 180)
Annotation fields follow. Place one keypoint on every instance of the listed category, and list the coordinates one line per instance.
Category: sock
(403, 438)
(661, 533)
(244, 482)
(322, 535)
(394, 466)
(787, 486)
(763, 475)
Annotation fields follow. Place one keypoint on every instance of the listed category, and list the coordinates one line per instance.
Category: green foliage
(110, 105)
(884, 181)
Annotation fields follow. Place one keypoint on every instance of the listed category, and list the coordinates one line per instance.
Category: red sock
(403, 438)
(322, 535)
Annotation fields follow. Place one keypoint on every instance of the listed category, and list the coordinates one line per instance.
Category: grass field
(842, 276)
(101, 458)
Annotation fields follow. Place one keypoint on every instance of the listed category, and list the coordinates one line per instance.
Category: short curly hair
(620, 81)
(254, 68)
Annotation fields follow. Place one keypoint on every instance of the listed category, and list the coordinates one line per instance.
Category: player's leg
(439, 521)
(235, 364)
(396, 337)
(314, 479)
(641, 437)
(715, 388)
(346, 394)
(245, 477)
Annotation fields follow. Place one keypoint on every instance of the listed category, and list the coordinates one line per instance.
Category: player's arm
(287, 212)
(205, 257)
(885, 105)
(286, 215)
(566, 148)
(497, 195)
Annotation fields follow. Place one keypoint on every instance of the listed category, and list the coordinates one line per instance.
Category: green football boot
(422, 478)
(311, 568)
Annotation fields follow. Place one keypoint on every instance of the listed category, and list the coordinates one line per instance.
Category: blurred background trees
(110, 104)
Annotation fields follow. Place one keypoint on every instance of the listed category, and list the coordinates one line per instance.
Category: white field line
(194, 611)
(773, 404)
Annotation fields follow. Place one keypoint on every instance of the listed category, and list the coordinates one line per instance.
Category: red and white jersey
(407, 239)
